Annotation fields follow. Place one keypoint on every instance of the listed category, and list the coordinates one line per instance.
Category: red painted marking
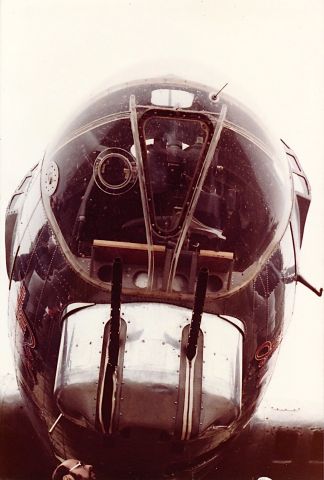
(22, 319)
(265, 350)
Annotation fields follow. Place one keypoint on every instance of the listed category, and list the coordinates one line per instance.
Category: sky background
(55, 54)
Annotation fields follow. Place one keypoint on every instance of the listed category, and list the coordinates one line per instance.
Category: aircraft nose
(153, 386)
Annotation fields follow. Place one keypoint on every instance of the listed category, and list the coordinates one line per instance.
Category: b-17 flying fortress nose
(153, 259)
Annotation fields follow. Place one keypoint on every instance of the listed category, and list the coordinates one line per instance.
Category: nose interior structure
(154, 385)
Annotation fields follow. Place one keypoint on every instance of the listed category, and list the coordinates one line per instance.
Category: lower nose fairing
(153, 387)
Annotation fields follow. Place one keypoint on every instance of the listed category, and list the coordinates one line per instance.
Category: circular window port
(115, 171)
(141, 279)
(105, 273)
(180, 284)
(215, 283)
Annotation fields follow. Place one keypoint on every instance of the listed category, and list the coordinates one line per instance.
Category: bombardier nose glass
(169, 190)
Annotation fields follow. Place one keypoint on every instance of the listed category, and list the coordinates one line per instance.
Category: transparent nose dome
(171, 177)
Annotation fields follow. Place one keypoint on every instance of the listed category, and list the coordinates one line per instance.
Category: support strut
(200, 295)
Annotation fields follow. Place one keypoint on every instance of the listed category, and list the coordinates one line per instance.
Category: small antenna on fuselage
(214, 96)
